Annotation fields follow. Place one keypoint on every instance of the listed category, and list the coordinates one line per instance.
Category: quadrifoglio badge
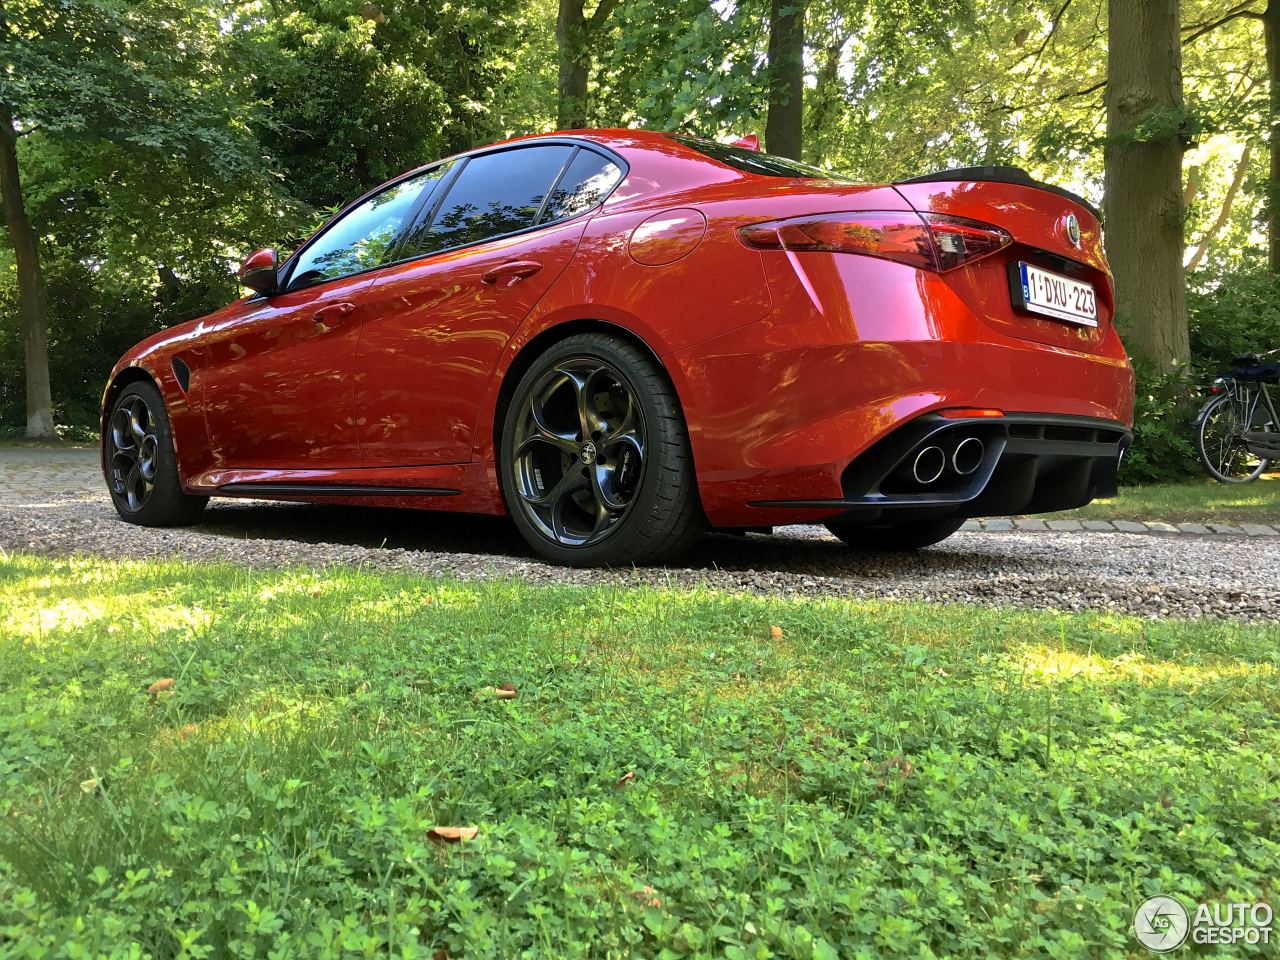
(1162, 924)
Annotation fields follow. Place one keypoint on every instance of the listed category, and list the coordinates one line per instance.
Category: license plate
(1055, 295)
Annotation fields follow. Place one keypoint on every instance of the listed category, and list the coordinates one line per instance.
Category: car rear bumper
(935, 467)
(779, 429)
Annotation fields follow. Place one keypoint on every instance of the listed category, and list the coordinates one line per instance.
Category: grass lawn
(674, 778)
(1257, 502)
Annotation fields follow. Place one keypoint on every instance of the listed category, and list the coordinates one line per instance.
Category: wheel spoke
(543, 433)
(134, 489)
(138, 421)
(121, 437)
(572, 481)
(624, 427)
(147, 458)
(589, 421)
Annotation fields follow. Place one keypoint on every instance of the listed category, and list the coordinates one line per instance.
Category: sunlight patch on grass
(1059, 665)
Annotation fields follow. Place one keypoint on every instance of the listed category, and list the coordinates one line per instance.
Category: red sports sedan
(620, 338)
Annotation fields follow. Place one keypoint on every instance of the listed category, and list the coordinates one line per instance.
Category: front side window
(589, 179)
(495, 194)
(362, 239)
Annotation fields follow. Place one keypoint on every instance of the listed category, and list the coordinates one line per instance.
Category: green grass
(890, 780)
(1192, 500)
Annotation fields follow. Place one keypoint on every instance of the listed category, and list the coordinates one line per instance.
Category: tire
(138, 439)
(1226, 460)
(594, 457)
(898, 537)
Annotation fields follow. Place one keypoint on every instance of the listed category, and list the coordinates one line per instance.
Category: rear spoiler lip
(998, 174)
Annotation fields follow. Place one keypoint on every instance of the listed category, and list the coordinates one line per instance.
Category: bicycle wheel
(1220, 442)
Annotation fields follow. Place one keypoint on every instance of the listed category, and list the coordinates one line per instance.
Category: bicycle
(1238, 430)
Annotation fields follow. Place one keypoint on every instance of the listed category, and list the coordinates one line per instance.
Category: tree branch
(604, 9)
(1053, 28)
(1058, 99)
(1224, 213)
(1196, 31)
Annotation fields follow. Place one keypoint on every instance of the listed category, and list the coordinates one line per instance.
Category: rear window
(759, 163)
(589, 179)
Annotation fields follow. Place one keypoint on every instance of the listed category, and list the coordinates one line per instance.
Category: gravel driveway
(53, 502)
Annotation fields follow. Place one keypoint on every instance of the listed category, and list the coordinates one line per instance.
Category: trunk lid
(1038, 217)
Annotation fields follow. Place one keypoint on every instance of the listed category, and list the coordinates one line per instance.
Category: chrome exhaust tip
(967, 456)
(928, 465)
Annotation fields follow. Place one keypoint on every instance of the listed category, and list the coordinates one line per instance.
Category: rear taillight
(929, 241)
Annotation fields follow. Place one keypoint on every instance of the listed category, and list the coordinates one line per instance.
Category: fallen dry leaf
(776, 632)
(453, 834)
(897, 766)
(626, 778)
(647, 897)
(505, 692)
(160, 686)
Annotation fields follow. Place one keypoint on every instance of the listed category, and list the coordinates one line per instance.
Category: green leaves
(298, 820)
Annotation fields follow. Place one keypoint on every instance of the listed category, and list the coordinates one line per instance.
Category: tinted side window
(496, 193)
(588, 180)
(363, 238)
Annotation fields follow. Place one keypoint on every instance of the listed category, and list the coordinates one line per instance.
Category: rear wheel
(1220, 443)
(897, 536)
(594, 458)
(141, 468)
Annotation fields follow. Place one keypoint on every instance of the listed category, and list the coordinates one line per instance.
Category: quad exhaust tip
(928, 465)
(967, 456)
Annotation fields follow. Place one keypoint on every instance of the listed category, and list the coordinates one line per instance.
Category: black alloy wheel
(595, 461)
(139, 461)
(131, 452)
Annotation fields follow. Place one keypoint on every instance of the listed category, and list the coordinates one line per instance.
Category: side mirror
(259, 271)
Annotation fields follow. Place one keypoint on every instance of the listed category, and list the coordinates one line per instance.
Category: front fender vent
(182, 372)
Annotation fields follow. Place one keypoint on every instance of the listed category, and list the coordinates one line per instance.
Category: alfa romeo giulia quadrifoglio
(622, 338)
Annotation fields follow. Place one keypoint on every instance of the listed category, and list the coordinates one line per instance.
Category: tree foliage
(160, 140)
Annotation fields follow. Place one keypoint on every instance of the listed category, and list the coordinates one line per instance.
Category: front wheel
(594, 457)
(141, 467)
(1221, 445)
(897, 537)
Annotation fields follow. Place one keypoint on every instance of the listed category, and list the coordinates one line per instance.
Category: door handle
(517, 270)
(332, 311)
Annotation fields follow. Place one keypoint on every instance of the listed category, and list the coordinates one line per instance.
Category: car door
(278, 373)
(504, 228)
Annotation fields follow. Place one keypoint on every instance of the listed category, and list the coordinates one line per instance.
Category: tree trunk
(34, 321)
(1224, 213)
(1271, 31)
(1144, 180)
(784, 128)
(571, 25)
